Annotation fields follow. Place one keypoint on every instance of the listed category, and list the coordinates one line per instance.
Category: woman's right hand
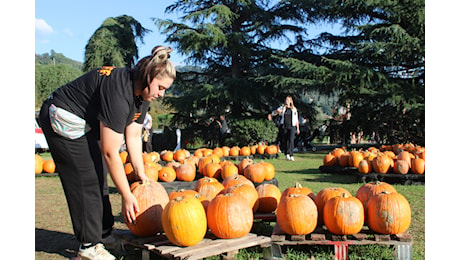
(129, 208)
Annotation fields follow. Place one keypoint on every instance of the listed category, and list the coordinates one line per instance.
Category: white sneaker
(292, 158)
(288, 157)
(97, 252)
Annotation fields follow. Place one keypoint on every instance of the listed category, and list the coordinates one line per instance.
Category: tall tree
(114, 43)
(377, 65)
(232, 40)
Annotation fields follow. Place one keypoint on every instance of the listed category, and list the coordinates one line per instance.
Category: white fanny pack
(67, 124)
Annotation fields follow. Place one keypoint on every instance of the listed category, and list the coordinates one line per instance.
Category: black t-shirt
(288, 118)
(105, 94)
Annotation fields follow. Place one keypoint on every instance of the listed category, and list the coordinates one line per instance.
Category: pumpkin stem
(298, 185)
(344, 195)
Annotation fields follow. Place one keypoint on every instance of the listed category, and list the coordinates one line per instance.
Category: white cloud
(42, 27)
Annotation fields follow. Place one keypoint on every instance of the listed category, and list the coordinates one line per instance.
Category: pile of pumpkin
(181, 165)
(186, 215)
(44, 166)
(397, 158)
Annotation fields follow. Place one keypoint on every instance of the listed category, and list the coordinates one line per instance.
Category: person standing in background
(147, 133)
(290, 125)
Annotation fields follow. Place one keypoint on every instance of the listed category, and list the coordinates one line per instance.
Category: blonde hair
(156, 65)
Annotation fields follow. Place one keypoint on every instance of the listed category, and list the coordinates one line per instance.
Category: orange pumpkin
(184, 221)
(212, 170)
(151, 198)
(234, 151)
(269, 170)
(246, 191)
(364, 166)
(229, 216)
(167, 174)
(129, 171)
(49, 166)
(401, 166)
(355, 158)
(298, 189)
(417, 166)
(218, 151)
(366, 191)
(38, 164)
(381, 163)
(271, 149)
(151, 171)
(228, 170)
(242, 165)
(183, 192)
(186, 172)
(330, 160)
(343, 215)
(388, 213)
(269, 197)
(255, 172)
(209, 188)
(297, 214)
(245, 151)
(324, 195)
(344, 159)
(337, 152)
(167, 156)
(236, 179)
(179, 155)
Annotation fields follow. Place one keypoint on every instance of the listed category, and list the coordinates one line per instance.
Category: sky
(66, 26)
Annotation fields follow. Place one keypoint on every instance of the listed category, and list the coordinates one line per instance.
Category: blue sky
(66, 26)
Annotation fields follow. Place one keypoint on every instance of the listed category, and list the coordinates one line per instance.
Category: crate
(401, 242)
(209, 246)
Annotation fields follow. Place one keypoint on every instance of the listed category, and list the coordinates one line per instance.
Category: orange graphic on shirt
(136, 116)
(106, 70)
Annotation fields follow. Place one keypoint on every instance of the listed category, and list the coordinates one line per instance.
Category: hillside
(56, 58)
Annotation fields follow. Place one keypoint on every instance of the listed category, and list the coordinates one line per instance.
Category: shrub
(252, 131)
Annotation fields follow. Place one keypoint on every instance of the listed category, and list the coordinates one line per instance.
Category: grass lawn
(54, 236)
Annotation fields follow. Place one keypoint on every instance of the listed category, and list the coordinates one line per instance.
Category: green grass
(50, 204)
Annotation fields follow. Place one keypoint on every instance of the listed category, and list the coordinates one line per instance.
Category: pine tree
(114, 43)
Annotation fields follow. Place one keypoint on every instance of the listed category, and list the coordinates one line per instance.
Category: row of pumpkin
(398, 158)
(228, 211)
(182, 166)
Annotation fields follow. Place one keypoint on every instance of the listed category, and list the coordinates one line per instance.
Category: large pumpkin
(208, 187)
(151, 198)
(229, 216)
(388, 213)
(381, 163)
(354, 158)
(255, 172)
(297, 214)
(236, 179)
(246, 191)
(417, 166)
(330, 160)
(269, 170)
(324, 195)
(212, 169)
(186, 172)
(298, 189)
(364, 166)
(366, 191)
(184, 221)
(269, 197)
(343, 215)
(229, 169)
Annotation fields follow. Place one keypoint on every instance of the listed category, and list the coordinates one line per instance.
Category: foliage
(232, 40)
(377, 65)
(50, 77)
(253, 131)
(54, 58)
(114, 43)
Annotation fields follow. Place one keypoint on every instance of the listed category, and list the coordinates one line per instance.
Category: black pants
(83, 175)
(289, 136)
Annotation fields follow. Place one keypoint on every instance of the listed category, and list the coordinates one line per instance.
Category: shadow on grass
(314, 175)
(55, 242)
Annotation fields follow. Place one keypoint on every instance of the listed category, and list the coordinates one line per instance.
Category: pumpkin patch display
(184, 221)
(297, 214)
(343, 215)
(152, 199)
(388, 213)
(229, 216)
